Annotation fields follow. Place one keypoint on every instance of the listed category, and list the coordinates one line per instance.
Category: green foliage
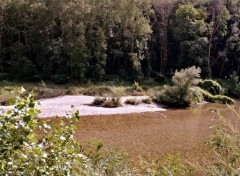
(112, 102)
(109, 102)
(189, 22)
(4, 76)
(190, 29)
(60, 79)
(81, 37)
(211, 86)
(159, 78)
(136, 87)
(174, 96)
(172, 165)
(56, 153)
(195, 95)
(233, 85)
(99, 101)
(43, 84)
(216, 98)
(186, 77)
(185, 92)
(31, 147)
(225, 147)
(223, 99)
(92, 40)
(147, 101)
(178, 94)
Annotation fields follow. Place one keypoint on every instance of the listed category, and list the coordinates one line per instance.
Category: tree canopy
(129, 39)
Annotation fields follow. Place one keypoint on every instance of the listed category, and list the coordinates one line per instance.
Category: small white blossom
(10, 163)
(62, 138)
(44, 155)
(24, 156)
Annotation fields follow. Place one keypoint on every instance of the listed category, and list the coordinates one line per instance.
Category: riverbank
(60, 106)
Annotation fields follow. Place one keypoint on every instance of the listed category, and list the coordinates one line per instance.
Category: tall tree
(219, 16)
(164, 9)
(190, 29)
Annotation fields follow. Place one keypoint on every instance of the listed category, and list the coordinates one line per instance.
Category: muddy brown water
(155, 134)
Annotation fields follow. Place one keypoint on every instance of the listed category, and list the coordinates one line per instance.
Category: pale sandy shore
(60, 106)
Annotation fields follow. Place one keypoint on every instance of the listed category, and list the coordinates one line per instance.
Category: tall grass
(225, 147)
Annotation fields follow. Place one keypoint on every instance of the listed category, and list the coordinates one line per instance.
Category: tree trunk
(1, 34)
(209, 51)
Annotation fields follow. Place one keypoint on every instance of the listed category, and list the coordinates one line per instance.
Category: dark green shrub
(211, 86)
(22, 68)
(60, 79)
(223, 99)
(233, 85)
(132, 101)
(178, 94)
(217, 98)
(195, 95)
(99, 101)
(4, 76)
(112, 102)
(174, 96)
(147, 101)
(159, 78)
(7, 102)
(207, 96)
(136, 87)
(35, 78)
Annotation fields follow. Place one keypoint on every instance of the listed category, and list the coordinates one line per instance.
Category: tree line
(130, 39)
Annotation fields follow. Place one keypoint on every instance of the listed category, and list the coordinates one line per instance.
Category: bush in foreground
(225, 147)
(22, 153)
(53, 151)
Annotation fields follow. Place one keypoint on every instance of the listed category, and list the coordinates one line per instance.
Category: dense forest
(126, 39)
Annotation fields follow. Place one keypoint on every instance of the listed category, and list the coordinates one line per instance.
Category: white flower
(22, 89)
(40, 145)
(24, 156)
(62, 138)
(44, 155)
(10, 163)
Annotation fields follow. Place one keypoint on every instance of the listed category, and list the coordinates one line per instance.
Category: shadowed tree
(219, 16)
(189, 29)
(164, 9)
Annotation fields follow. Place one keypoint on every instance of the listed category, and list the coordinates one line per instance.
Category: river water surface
(155, 134)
